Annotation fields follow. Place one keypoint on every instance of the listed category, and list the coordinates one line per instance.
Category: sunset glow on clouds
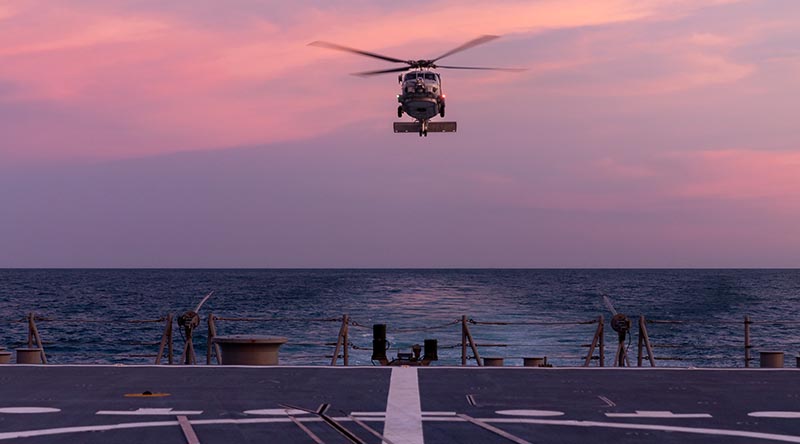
(183, 84)
(628, 108)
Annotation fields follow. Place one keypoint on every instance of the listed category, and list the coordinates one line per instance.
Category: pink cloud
(185, 85)
(743, 174)
(748, 179)
(621, 170)
(96, 31)
(6, 12)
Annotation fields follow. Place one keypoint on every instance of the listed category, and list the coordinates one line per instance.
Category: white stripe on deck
(188, 431)
(278, 420)
(403, 411)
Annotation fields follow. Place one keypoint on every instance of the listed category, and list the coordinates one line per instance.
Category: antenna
(607, 301)
(189, 321)
(622, 325)
(197, 309)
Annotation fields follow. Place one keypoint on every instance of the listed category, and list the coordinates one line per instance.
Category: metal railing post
(166, 336)
(339, 339)
(463, 340)
(595, 339)
(346, 340)
(33, 336)
(645, 338)
(602, 341)
(747, 345)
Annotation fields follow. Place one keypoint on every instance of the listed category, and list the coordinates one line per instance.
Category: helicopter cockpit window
(430, 76)
(411, 76)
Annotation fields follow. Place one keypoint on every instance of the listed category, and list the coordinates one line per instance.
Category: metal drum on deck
(249, 349)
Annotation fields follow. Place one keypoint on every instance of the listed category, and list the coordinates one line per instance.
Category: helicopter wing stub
(432, 127)
(407, 127)
(483, 68)
(442, 127)
(329, 45)
(474, 42)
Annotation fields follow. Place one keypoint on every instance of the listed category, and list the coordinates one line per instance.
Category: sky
(644, 133)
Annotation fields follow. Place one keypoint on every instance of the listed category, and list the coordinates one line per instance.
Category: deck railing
(725, 343)
(69, 335)
(729, 343)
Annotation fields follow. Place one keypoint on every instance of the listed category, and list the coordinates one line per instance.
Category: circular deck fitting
(534, 362)
(249, 349)
(492, 362)
(29, 356)
(771, 359)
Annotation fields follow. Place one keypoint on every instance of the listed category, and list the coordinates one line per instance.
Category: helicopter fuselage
(421, 95)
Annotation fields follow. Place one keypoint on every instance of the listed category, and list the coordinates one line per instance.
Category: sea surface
(85, 315)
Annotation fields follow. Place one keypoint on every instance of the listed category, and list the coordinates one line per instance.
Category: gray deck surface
(534, 405)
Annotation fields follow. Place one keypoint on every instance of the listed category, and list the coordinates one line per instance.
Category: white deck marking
(95, 428)
(28, 410)
(530, 412)
(140, 425)
(788, 415)
(658, 414)
(149, 412)
(403, 411)
(657, 427)
(607, 401)
(188, 431)
(275, 420)
(438, 413)
(364, 426)
(305, 429)
(382, 414)
(282, 412)
(494, 429)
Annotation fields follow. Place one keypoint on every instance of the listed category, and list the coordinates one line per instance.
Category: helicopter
(421, 95)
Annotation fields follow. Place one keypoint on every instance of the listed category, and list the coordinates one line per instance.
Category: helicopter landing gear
(441, 111)
(399, 111)
(423, 129)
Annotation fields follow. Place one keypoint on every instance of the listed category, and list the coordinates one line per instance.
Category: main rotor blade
(329, 45)
(383, 71)
(475, 42)
(483, 68)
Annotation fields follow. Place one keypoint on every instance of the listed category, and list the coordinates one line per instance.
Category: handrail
(247, 319)
(589, 322)
(693, 347)
(100, 321)
(719, 321)
(34, 336)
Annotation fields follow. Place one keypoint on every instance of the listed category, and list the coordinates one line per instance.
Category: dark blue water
(713, 302)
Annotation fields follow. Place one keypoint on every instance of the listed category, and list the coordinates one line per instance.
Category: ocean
(84, 315)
